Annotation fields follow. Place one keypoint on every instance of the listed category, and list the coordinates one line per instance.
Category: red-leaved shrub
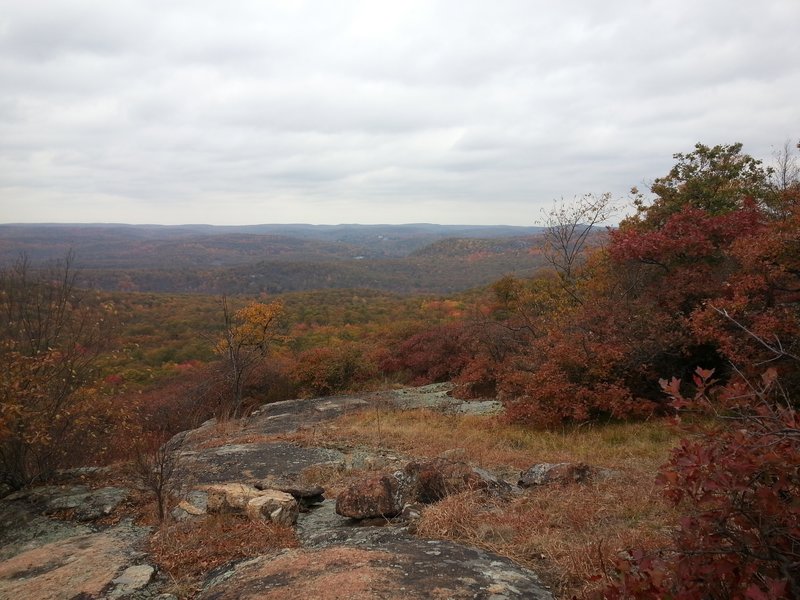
(739, 489)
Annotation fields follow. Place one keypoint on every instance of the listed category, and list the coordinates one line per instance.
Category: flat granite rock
(406, 569)
(22, 529)
(251, 462)
(290, 415)
(86, 563)
(412, 566)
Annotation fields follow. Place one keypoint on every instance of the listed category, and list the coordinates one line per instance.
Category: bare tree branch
(569, 227)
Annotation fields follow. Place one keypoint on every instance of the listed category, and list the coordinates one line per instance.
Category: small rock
(303, 492)
(496, 485)
(306, 496)
(198, 499)
(193, 504)
(241, 499)
(411, 512)
(273, 505)
(385, 494)
(230, 498)
(132, 579)
(186, 510)
(438, 478)
(376, 495)
(360, 460)
(548, 473)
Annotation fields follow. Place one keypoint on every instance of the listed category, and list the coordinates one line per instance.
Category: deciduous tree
(570, 226)
(50, 338)
(245, 342)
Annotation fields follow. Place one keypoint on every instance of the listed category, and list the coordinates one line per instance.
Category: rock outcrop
(78, 501)
(306, 496)
(404, 569)
(262, 478)
(86, 565)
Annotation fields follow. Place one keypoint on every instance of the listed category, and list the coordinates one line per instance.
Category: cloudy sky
(331, 111)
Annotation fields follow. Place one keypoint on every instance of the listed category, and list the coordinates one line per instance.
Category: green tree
(716, 179)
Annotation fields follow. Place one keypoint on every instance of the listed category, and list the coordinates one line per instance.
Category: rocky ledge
(356, 546)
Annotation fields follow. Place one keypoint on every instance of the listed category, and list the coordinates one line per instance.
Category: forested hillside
(141, 246)
(279, 258)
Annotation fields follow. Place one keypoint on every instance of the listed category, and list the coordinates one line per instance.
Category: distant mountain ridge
(129, 246)
(419, 257)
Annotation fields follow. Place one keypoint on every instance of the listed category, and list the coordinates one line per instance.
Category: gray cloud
(250, 111)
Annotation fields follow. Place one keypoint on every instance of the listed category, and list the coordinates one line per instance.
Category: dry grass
(489, 442)
(567, 533)
(188, 550)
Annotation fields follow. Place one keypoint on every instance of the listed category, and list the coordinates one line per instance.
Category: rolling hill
(417, 258)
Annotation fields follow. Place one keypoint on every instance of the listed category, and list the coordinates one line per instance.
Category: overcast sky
(466, 112)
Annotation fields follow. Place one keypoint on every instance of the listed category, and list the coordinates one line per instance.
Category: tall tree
(786, 172)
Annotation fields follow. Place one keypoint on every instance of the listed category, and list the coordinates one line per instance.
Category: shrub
(329, 370)
(430, 356)
(739, 489)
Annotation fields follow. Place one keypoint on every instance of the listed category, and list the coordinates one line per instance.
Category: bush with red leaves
(739, 488)
(430, 356)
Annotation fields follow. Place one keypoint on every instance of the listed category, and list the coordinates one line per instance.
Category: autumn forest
(686, 314)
